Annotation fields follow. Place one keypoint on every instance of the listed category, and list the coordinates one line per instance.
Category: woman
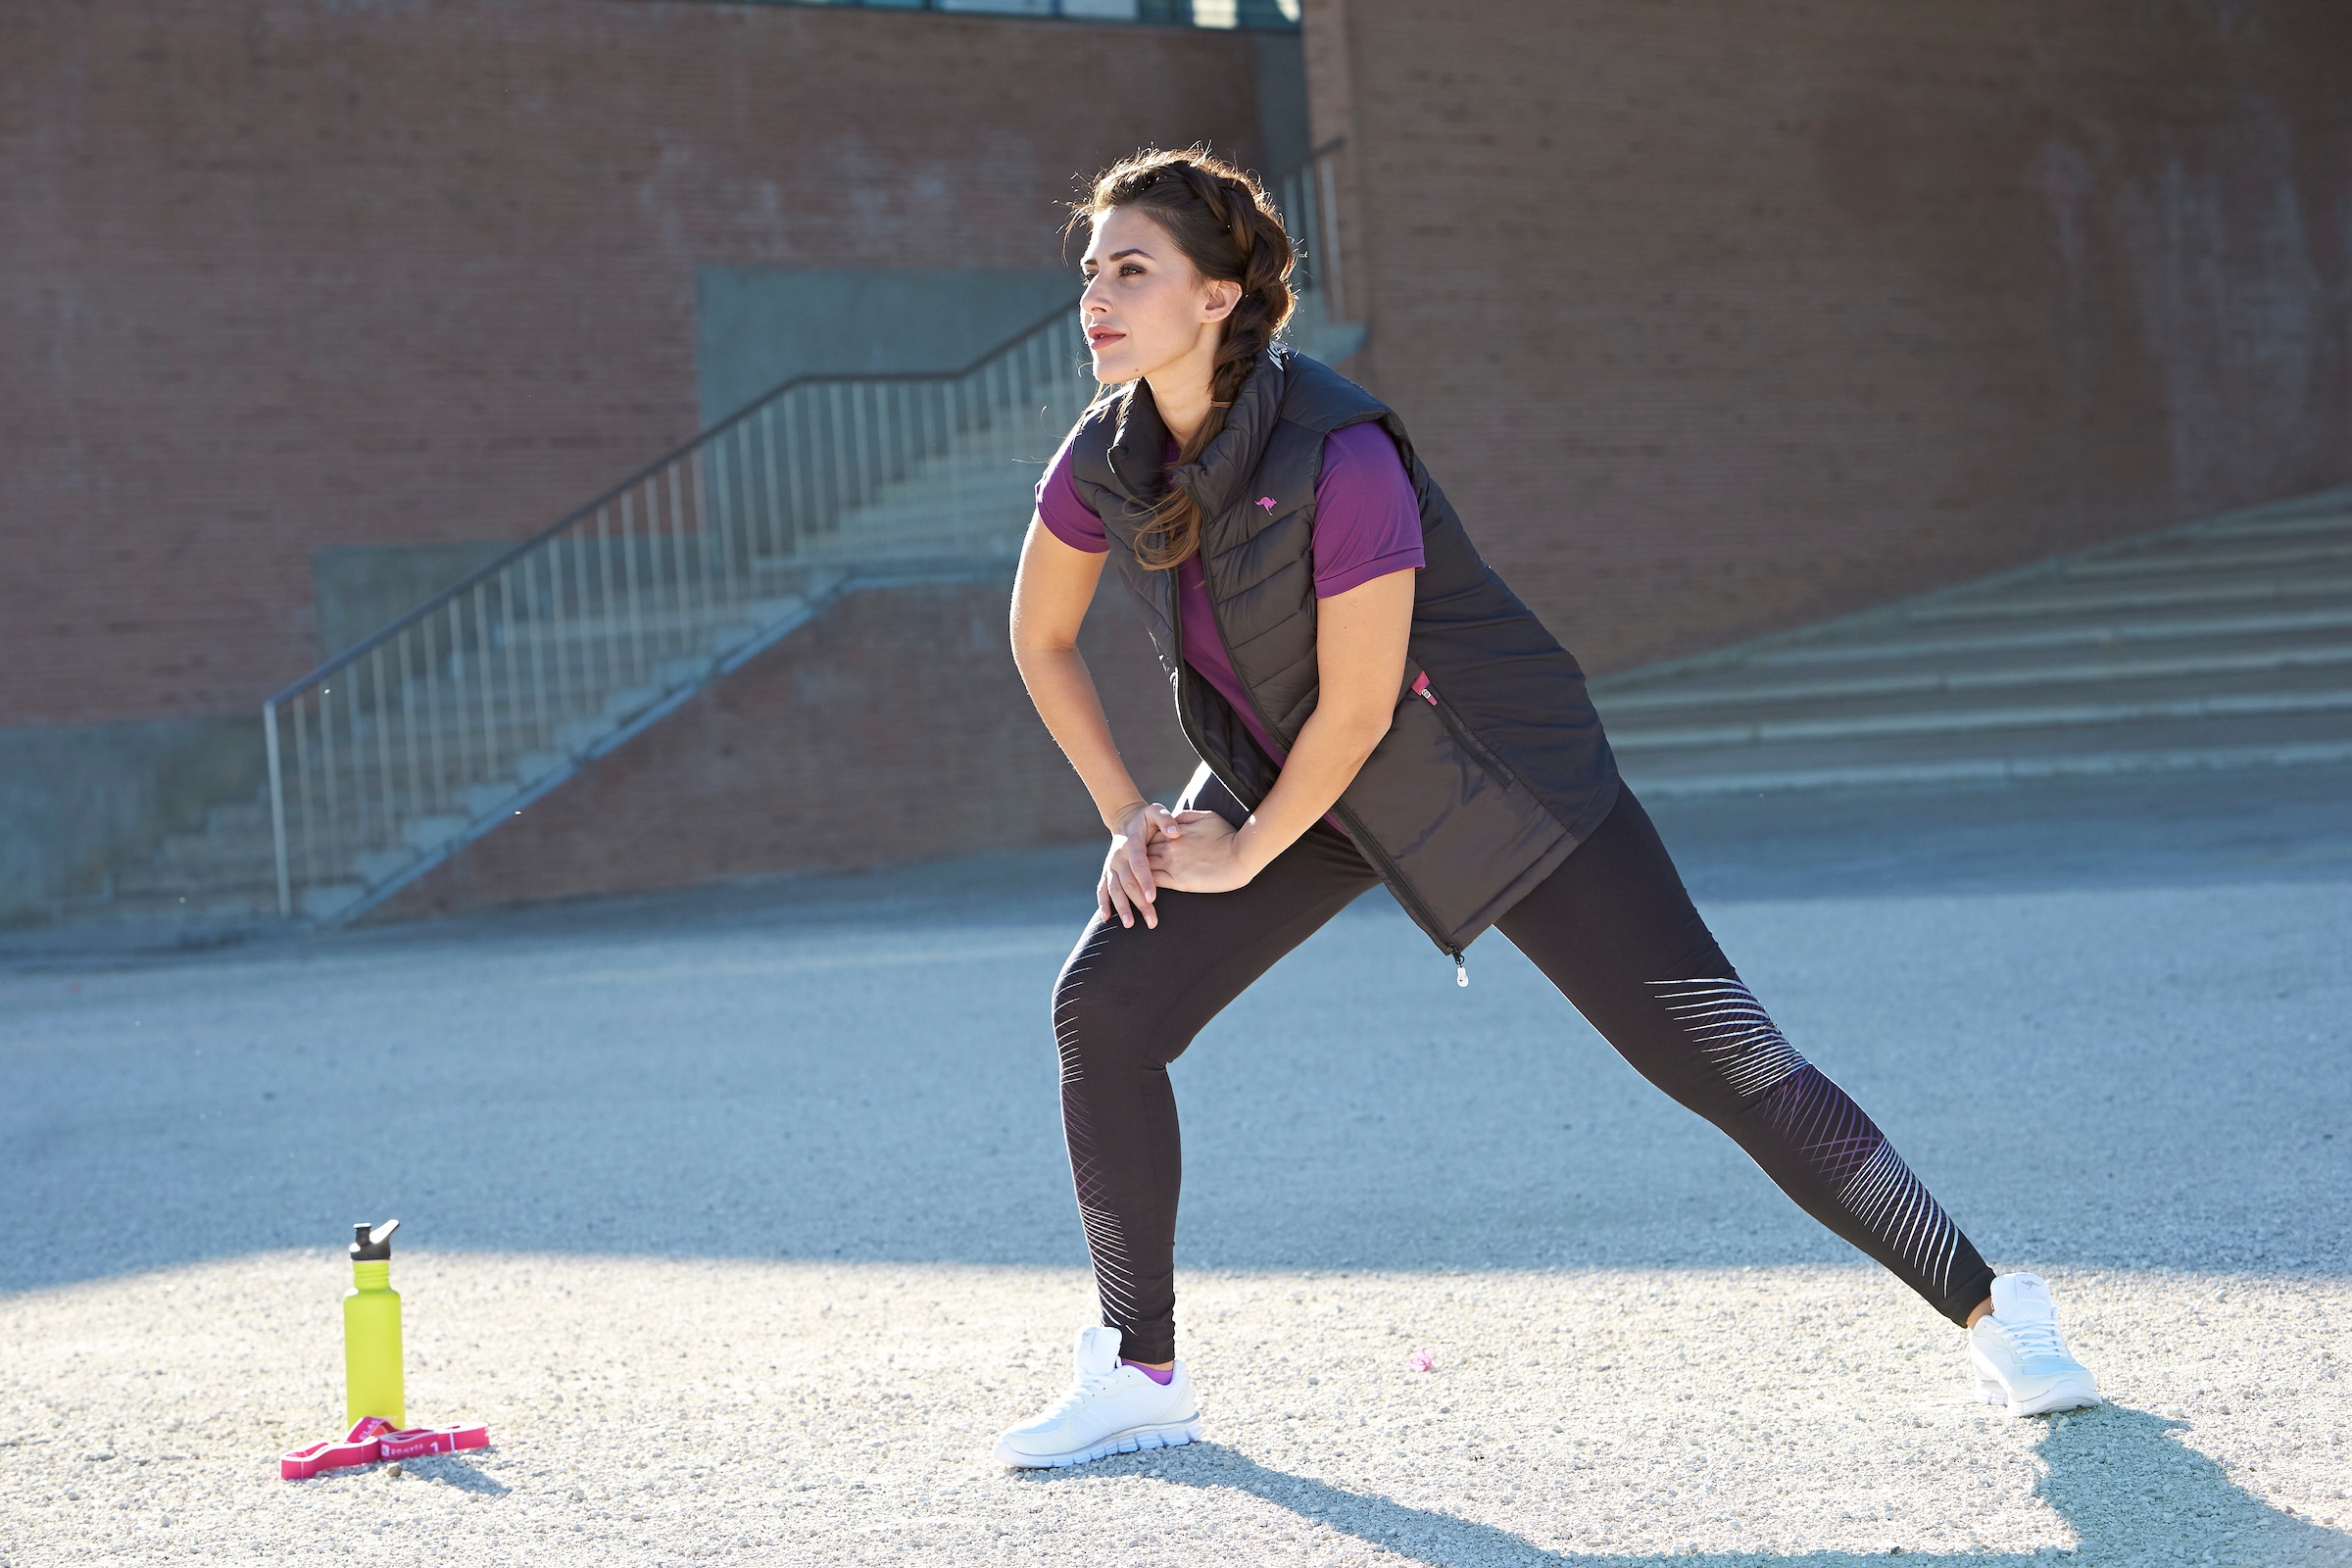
(1371, 705)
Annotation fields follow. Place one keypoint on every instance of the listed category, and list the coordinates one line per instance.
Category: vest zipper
(1188, 721)
(1462, 737)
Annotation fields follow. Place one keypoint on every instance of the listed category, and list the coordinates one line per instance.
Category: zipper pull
(1462, 970)
(1422, 691)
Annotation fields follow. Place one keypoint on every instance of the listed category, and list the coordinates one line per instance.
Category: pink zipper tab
(1422, 691)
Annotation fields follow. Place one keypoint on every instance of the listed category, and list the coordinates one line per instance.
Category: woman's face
(1146, 307)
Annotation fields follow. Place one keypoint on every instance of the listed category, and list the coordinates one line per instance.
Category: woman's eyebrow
(1132, 250)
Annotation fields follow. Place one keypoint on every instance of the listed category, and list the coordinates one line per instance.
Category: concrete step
(217, 844)
(1737, 724)
(2202, 555)
(244, 816)
(1885, 642)
(1931, 672)
(223, 877)
(1908, 687)
(693, 628)
(221, 909)
(213, 910)
(2264, 741)
(2068, 596)
(511, 721)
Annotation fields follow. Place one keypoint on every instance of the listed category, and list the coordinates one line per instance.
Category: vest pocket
(1460, 731)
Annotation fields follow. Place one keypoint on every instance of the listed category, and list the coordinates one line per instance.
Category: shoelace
(2036, 1336)
(1082, 1388)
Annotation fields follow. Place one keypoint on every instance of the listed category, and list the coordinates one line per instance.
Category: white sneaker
(1109, 1408)
(2020, 1356)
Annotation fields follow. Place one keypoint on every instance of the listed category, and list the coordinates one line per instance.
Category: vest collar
(1224, 469)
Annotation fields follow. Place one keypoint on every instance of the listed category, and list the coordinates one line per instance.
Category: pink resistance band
(374, 1438)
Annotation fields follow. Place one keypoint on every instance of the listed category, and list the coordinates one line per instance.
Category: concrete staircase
(959, 511)
(220, 879)
(2227, 642)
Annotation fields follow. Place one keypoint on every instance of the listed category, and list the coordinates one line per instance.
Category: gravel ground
(740, 1219)
(647, 1411)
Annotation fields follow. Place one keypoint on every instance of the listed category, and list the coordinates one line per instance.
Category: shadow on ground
(2185, 1505)
(863, 1068)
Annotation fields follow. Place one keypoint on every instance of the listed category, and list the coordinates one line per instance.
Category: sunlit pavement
(742, 1219)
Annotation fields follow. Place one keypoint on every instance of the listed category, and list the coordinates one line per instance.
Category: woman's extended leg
(1614, 929)
(1128, 1002)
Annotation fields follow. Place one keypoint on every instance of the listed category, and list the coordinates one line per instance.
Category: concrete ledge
(1992, 769)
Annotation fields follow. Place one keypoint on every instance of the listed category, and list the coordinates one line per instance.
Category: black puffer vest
(1493, 768)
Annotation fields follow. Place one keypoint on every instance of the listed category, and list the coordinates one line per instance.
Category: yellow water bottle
(371, 1384)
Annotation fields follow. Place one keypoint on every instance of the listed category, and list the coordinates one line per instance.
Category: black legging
(1613, 928)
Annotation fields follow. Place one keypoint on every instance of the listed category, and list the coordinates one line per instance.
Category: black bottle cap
(373, 1244)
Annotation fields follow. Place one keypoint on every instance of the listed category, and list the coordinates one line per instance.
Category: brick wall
(894, 729)
(285, 274)
(1721, 316)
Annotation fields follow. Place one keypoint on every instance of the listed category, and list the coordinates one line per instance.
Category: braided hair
(1225, 225)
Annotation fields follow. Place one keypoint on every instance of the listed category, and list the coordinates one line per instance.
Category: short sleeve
(1065, 514)
(1367, 519)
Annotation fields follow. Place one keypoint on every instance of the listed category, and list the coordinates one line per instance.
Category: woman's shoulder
(1315, 395)
(1065, 509)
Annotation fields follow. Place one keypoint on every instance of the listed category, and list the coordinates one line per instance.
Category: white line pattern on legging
(1885, 1196)
(1106, 1239)
(1732, 1031)
(1114, 1279)
(1066, 1037)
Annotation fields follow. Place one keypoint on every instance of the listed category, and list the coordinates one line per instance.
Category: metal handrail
(455, 713)
(492, 568)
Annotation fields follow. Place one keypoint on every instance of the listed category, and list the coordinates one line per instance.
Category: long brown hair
(1225, 225)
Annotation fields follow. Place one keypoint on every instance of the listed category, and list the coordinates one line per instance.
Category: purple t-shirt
(1367, 525)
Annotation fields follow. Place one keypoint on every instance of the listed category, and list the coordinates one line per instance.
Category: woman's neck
(1180, 390)
(1183, 416)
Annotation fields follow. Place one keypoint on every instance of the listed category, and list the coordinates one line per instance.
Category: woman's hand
(1199, 852)
(1126, 886)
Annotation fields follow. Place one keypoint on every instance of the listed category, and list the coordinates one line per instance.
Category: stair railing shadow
(2178, 1503)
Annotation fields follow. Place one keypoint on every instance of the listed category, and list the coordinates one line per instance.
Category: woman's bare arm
(1050, 599)
(1360, 639)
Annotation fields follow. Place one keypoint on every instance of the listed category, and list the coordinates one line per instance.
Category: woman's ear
(1223, 295)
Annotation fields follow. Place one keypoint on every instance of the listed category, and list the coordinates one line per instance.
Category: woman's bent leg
(1614, 929)
(1128, 1002)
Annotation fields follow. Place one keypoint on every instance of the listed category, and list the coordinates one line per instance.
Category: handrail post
(277, 815)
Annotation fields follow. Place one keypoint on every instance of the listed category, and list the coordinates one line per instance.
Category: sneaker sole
(2064, 1397)
(1134, 1439)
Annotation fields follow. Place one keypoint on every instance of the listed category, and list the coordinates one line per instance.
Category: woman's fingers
(1136, 883)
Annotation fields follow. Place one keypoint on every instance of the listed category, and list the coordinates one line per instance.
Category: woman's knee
(1105, 1006)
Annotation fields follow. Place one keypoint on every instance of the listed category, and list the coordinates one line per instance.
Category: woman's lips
(1103, 339)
